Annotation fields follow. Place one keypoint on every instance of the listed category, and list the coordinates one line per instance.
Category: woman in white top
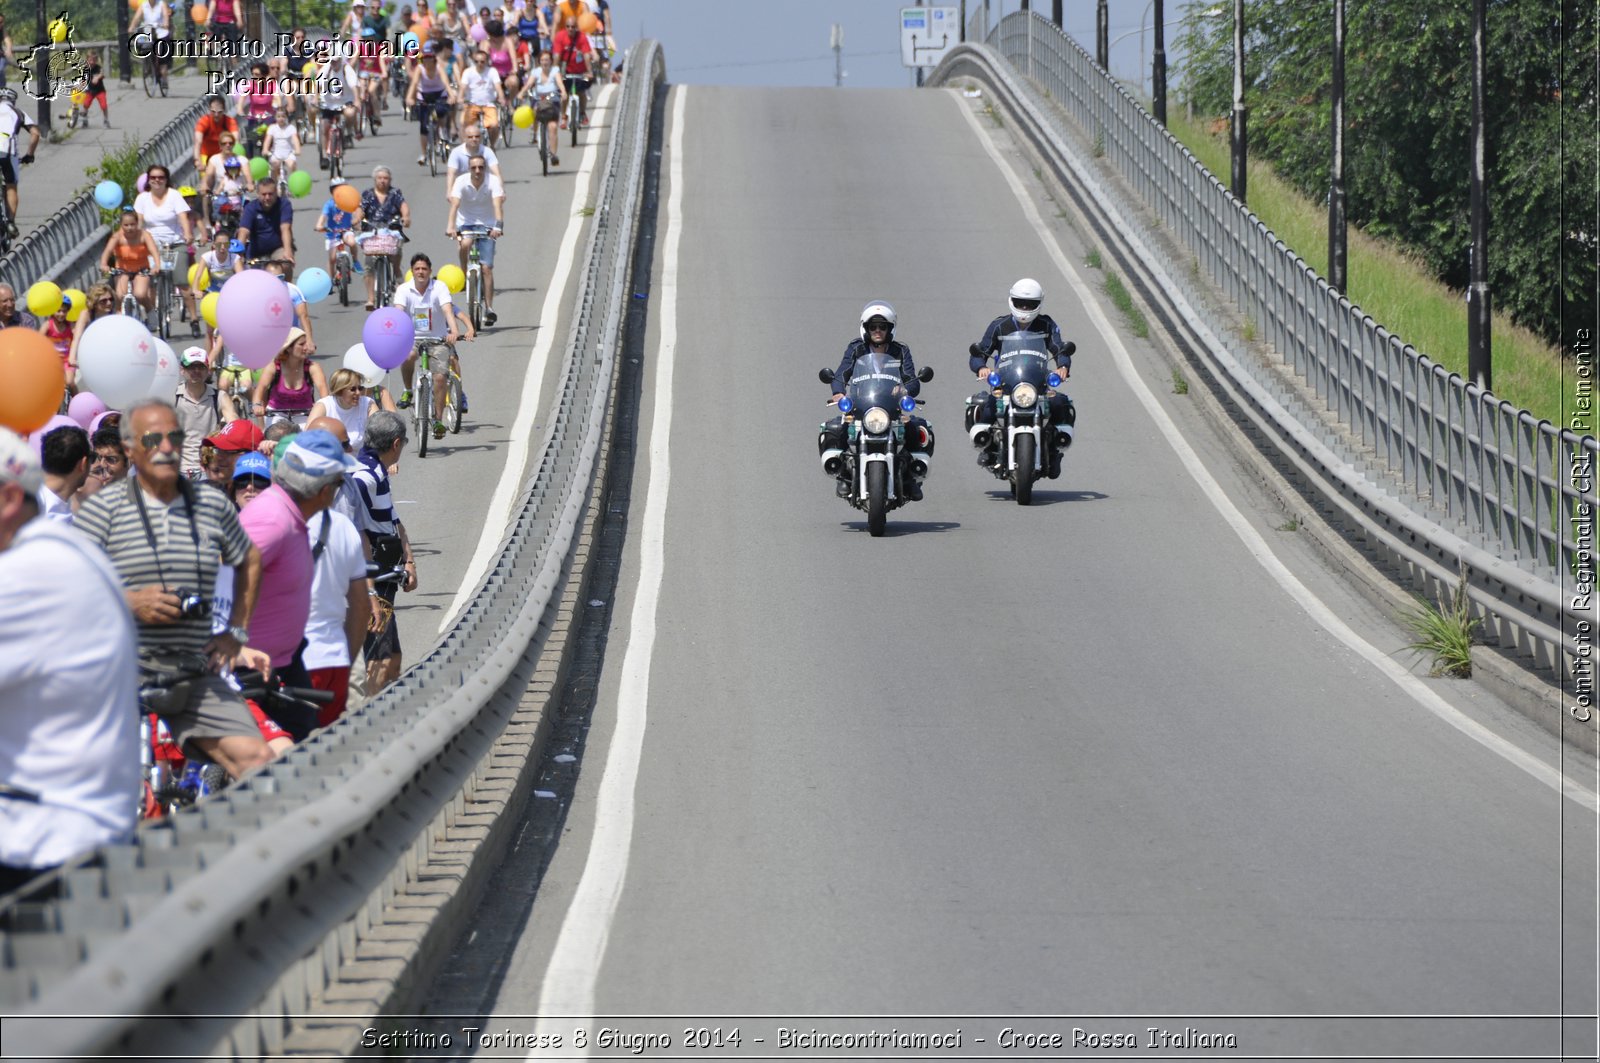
(166, 216)
(346, 402)
(281, 145)
(155, 18)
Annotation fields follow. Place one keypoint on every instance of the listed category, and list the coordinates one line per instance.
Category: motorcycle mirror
(925, 374)
(826, 376)
(1072, 348)
(975, 351)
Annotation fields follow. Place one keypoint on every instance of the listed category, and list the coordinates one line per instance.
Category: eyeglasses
(877, 326)
(156, 177)
(152, 440)
(1025, 304)
(103, 461)
(253, 483)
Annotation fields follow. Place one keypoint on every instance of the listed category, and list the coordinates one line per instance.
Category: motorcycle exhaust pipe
(832, 461)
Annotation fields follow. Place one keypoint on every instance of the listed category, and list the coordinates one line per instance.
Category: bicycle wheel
(147, 76)
(164, 305)
(475, 298)
(452, 403)
(573, 110)
(544, 146)
(505, 126)
(433, 155)
(422, 407)
(343, 268)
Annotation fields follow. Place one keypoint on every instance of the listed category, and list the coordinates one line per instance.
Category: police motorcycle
(1021, 434)
(864, 453)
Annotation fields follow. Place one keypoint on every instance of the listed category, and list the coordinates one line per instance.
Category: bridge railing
(1500, 479)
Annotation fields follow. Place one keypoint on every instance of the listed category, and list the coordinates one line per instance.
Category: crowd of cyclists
(246, 519)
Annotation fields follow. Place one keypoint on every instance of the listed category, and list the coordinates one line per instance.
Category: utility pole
(836, 42)
(1337, 232)
(919, 69)
(1055, 12)
(1158, 66)
(124, 60)
(1102, 35)
(1238, 132)
(1478, 323)
(41, 67)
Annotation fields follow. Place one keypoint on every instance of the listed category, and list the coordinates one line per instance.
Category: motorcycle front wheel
(877, 498)
(1022, 471)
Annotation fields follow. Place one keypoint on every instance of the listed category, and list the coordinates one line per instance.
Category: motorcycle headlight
(876, 420)
(1025, 395)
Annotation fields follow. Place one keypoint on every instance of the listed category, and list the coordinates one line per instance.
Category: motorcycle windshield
(1023, 359)
(873, 383)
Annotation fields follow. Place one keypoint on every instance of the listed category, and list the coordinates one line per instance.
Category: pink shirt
(274, 524)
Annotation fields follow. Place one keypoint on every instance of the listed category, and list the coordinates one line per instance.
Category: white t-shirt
(161, 219)
(342, 562)
(345, 75)
(479, 89)
(476, 206)
(69, 725)
(459, 158)
(426, 308)
(13, 122)
(150, 13)
(353, 419)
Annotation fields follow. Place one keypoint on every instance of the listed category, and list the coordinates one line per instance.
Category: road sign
(927, 33)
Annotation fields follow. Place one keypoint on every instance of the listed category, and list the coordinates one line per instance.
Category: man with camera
(164, 536)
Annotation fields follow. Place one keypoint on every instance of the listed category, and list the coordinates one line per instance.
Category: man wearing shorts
(12, 123)
(165, 537)
(433, 317)
(386, 535)
(478, 201)
(482, 95)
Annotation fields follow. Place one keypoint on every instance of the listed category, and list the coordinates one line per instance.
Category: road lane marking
(569, 981)
(1253, 542)
(498, 516)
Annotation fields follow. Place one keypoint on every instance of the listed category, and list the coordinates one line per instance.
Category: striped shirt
(110, 519)
(377, 503)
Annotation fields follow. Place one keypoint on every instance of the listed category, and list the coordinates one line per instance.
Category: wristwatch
(241, 635)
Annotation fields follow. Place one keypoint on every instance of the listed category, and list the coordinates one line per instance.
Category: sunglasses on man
(152, 440)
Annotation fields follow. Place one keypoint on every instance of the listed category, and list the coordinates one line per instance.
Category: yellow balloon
(522, 117)
(79, 300)
(58, 30)
(453, 278)
(408, 278)
(199, 276)
(44, 299)
(208, 308)
(309, 70)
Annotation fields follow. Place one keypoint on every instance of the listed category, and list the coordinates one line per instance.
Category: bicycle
(440, 144)
(343, 267)
(333, 157)
(130, 304)
(379, 245)
(422, 395)
(161, 789)
(165, 294)
(153, 75)
(475, 304)
(574, 108)
(506, 125)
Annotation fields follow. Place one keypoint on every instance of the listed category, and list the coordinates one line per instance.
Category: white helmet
(877, 309)
(1026, 295)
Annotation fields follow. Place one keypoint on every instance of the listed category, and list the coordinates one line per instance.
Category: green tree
(1409, 108)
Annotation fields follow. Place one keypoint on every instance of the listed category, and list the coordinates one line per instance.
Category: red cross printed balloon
(254, 315)
(388, 335)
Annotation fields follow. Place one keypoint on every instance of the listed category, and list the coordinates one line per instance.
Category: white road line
(569, 981)
(498, 516)
(1247, 534)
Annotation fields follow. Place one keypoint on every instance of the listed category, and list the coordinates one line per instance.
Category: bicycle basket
(380, 244)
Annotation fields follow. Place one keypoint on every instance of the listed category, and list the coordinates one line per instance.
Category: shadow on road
(1049, 498)
(904, 527)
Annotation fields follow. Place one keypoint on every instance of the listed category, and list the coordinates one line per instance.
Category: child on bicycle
(135, 252)
(282, 146)
(338, 227)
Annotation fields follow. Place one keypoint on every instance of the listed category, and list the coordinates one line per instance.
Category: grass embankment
(1391, 286)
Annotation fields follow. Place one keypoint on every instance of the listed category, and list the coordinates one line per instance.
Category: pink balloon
(388, 335)
(141, 182)
(478, 33)
(94, 425)
(254, 315)
(36, 439)
(85, 408)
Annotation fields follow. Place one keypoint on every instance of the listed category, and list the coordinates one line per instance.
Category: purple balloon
(478, 33)
(94, 425)
(388, 335)
(85, 408)
(36, 439)
(143, 180)
(254, 315)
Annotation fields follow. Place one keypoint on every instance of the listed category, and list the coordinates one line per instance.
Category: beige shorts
(202, 708)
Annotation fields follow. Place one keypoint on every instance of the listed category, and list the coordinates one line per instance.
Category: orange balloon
(346, 198)
(199, 12)
(588, 22)
(35, 380)
(135, 4)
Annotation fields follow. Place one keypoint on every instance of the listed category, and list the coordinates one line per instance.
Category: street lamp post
(41, 67)
(1102, 31)
(1337, 231)
(1238, 131)
(1478, 323)
(1158, 64)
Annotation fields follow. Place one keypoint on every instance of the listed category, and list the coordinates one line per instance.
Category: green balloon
(259, 167)
(442, 6)
(299, 183)
(238, 149)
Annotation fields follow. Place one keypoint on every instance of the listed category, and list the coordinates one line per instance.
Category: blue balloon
(108, 194)
(315, 284)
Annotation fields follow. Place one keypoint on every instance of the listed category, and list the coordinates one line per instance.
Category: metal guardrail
(65, 247)
(1489, 486)
(272, 880)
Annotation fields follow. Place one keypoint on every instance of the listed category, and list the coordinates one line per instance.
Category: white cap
(18, 462)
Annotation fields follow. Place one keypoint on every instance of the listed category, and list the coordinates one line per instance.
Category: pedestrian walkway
(58, 171)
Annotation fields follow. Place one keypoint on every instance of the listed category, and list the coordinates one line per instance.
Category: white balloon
(164, 384)
(117, 360)
(359, 361)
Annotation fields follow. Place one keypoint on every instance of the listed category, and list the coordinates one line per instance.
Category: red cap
(237, 435)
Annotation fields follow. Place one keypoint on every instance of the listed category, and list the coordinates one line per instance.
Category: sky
(786, 42)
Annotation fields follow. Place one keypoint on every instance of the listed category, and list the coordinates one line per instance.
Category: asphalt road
(1084, 758)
